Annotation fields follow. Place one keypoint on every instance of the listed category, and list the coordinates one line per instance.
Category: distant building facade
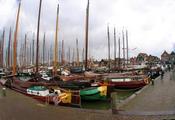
(142, 58)
(172, 57)
(165, 57)
(133, 60)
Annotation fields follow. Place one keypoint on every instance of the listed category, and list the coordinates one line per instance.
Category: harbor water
(105, 105)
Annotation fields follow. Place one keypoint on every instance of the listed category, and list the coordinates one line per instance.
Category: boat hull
(94, 93)
(127, 83)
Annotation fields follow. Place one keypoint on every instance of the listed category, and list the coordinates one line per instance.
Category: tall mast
(69, 56)
(73, 57)
(30, 54)
(83, 55)
(21, 55)
(123, 49)
(37, 42)
(62, 53)
(2, 48)
(9, 44)
(6, 58)
(27, 54)
(15, 40)
(109, 59)
(25, 51)
(56, 43)
(86, 36)
(33, 49)
(114, 48)
(78, 63)
(11, 56)
(119, 52)
(44, 39)
(48, 57)
(127, 55)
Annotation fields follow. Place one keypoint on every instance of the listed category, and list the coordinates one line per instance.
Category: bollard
(3, 91)
(113, 103)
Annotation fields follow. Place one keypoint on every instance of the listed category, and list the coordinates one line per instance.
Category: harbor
(58, 72)
(19, 107)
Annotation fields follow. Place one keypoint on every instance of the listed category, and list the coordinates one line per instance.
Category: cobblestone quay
(155, 99)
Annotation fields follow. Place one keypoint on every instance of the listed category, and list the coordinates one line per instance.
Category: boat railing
(135, 77)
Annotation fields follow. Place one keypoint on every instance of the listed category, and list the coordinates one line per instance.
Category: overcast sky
(150, 23)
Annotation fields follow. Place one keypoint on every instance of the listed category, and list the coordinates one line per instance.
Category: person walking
(161, 74)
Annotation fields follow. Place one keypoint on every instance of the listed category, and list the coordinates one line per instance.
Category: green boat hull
(92, 94)
(93, 97)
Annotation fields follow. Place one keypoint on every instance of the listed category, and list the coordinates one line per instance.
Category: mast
(109, 59)
(114, 48)
(119, 52)
(9, 44)
(62, 54)
(25, 51)
(37, 42)
(27, 54)
(15, 40)
(21, 55)
(56, 43)
(86, 36)
(2, 48)
(78, 63)
(6, 58)
(44, 39)
(33, 49)
(123, 49)
(127, 55)
(48, 57)
(11, 56)
(69, 56)
(73, 57)
(83, 55)
(30, 54)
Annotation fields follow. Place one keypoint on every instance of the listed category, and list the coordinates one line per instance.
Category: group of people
(153, 74)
